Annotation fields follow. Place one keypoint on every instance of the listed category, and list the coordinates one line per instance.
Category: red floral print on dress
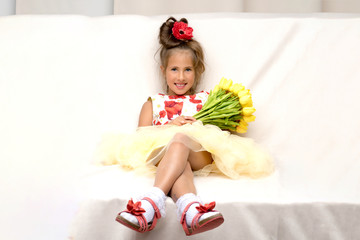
(177, 97)
(173, 108)
(162, 113)
(193, 100)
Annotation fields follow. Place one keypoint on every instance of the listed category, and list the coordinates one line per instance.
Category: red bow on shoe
(135, 208)
(206, 208)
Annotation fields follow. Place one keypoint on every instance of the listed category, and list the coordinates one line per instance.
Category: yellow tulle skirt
(233, 155)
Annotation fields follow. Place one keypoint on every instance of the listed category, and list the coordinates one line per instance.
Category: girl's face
(179, 73)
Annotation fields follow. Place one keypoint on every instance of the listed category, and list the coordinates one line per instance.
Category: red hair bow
(135, 208)
(181, 31)
(206, 208)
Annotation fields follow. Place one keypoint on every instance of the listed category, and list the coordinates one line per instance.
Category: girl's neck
(170, 93)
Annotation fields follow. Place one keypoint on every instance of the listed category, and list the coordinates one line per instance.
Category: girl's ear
(162, 69)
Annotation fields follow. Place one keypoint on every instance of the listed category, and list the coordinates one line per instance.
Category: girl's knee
(187, 141)
(180, 140)
(181, 137)
(177, 146)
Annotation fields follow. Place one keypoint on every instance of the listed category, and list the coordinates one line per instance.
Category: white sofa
(67, 80)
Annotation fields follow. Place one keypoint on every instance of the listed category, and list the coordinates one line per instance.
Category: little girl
(181, 145)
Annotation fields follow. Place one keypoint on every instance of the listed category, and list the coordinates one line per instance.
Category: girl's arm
(145, 118)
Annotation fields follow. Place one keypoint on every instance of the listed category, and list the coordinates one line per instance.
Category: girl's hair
(169, 43)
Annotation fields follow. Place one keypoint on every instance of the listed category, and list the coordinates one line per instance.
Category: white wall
(82, 7)
(155, 7)
(348, 6)
(152, 7)
(283, 6)
(7, 7)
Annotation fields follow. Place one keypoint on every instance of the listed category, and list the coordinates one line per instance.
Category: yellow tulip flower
(216, 88)
(221, 83)
(236, 88)
(241, 87)
(243, 123)
(249, 118)
(247, 111)
(227, 84)
(246, 101)
(244, 92)
(241, 130)
(232, 88)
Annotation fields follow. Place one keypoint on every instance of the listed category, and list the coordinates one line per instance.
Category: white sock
(158, 196)
(183, 201)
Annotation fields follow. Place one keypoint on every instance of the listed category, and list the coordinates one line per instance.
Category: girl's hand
(182, 120)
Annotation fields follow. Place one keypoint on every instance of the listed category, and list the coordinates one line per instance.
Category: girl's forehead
(176, 51)
(180, 54)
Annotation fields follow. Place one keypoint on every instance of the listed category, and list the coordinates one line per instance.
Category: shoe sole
(207, 224)
(130, 225)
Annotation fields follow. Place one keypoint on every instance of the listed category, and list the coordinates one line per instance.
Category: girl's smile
(179, 73)
(180, 86)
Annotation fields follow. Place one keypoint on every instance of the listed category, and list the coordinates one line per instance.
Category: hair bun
(166, 37)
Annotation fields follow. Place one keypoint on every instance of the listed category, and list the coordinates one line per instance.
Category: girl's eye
(173, 69)
(188, 69)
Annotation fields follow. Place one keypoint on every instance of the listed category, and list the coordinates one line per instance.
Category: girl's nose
(181, 75)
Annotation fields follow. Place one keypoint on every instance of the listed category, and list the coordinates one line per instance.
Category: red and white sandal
(136, 210)
(206, 224)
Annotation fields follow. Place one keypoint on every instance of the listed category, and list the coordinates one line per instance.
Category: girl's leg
(174, 171)
(184, 184)
(183, 192)
(176, 160)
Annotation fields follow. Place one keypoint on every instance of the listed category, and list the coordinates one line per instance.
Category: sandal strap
(183, 217)
(195, 221)
(157, 213)
(142, 223)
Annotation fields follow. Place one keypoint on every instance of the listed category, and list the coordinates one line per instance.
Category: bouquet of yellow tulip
(229, 106)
